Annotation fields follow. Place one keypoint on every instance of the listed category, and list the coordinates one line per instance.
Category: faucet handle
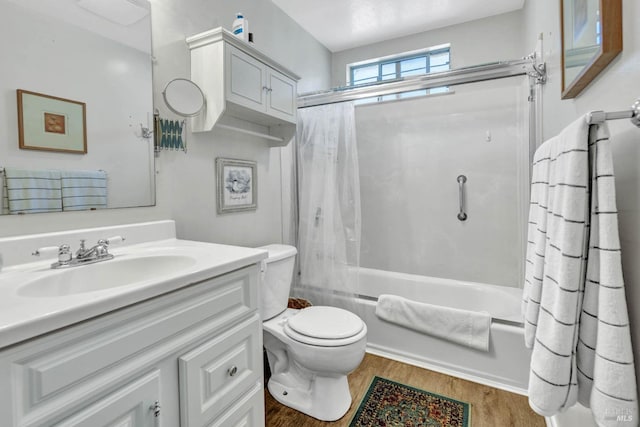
(46, 251)
(63, 252)
(114, 239)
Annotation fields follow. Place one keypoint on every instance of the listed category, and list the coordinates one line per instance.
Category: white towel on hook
(579, 332)
(83, 190)
(468, 328)
(554, 275)
(606, 374)
(32, 191)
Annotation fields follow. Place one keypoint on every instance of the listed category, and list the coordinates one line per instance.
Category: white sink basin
(105, 275)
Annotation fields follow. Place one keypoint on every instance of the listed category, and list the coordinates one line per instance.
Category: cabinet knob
(155, 408)
(232, 371)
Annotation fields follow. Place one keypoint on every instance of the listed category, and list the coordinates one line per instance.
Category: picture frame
(237, 185)
(50, 123)
(582, 61)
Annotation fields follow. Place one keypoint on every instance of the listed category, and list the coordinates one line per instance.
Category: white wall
(496, 38)
(188, 180)
(615, 89)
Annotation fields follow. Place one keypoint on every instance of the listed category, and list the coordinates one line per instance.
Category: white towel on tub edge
(468, 328)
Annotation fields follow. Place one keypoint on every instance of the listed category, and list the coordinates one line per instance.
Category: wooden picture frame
(592, 58)
(237, 185)
(50, 123)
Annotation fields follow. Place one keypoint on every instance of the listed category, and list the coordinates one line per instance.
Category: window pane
(441, 89)
(413, 66)
(389, 71)
(439, 68)
(413, 93)
(440, 58)
(366, 74)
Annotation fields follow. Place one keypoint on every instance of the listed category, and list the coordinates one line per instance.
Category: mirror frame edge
(611, 13)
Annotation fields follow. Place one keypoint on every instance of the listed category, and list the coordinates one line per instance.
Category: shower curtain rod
(495, 70)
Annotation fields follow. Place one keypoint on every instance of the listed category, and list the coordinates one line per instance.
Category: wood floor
(490, 407)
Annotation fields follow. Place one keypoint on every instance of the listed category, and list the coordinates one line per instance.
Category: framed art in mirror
(591, 36)
(50, 123)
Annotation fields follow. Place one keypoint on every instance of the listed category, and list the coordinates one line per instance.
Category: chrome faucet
(97, 253)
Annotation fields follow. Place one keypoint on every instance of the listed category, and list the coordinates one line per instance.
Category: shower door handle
(462, 216)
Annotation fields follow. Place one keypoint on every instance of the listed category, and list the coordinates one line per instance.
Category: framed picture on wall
(237, 185)
(50, 123)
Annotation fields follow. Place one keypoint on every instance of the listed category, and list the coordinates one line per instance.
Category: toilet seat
(325, 326)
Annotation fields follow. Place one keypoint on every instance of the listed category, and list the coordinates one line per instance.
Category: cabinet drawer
(217, 373)
(81, 362)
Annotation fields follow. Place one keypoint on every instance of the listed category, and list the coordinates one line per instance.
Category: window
(415, 63)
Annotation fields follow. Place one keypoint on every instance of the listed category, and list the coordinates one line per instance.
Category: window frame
(397, 59)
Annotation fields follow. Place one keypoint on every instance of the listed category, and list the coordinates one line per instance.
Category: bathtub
(505, 366)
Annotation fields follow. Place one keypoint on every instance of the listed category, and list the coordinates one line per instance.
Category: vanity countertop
(26, 316)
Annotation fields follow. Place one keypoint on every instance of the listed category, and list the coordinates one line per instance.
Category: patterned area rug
(391, 404)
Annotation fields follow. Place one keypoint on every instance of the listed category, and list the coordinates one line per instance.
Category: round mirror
(183, 97)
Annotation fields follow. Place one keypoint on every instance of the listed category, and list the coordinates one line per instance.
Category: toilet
(310, 351)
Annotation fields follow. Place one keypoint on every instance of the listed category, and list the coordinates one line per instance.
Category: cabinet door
(131, 406)
(246, 79)
(248, 411)
(281, 101)
(217, 373)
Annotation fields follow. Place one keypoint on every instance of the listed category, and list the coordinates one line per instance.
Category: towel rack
(633, 113)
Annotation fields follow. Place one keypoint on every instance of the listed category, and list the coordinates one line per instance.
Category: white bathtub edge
(406, 358)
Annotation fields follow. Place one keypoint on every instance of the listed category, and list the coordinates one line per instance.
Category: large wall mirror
(591, 32)
(96, 52)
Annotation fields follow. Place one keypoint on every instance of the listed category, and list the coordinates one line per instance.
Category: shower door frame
(529, 66)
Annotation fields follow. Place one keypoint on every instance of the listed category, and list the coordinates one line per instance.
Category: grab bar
(462, 216)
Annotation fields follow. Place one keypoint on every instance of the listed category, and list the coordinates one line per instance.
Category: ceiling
(345, 24)
(101, 17)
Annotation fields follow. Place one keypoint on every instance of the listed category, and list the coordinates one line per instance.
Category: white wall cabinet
(189, 358)
(245, 90)
(257, 86)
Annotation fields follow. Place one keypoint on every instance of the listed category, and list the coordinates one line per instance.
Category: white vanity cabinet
(245, 90)
(191, 357)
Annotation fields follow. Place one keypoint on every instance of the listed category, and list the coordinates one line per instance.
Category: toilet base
(324, 398)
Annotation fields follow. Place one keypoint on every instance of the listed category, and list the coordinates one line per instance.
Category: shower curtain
(329, 203)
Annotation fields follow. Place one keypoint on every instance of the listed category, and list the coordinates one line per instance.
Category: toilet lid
(326, 323)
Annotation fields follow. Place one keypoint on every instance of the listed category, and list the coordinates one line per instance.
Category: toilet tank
(277, 276)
